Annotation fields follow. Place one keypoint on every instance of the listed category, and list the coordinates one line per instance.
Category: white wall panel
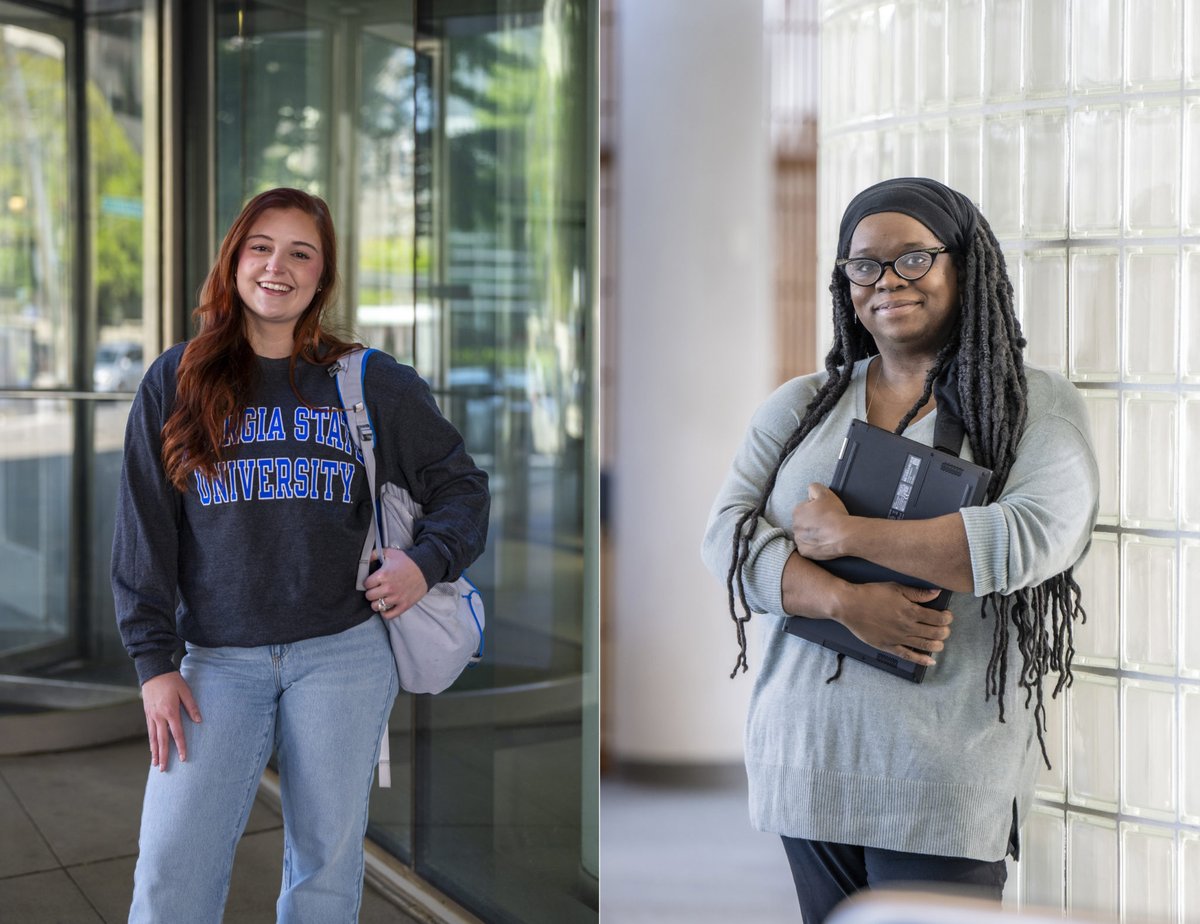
(1191, 43)
(1154, 39)
(1096, 47)
(1045, 177)
(964, 164)
(694, 301)
(1149, 496)
(1191, 157)
(1003, 50)
(1093, 868)
(1148, 591)
(1043, 308)
(964, 47)
(1190, 302)
(1002, 174)
(1094, 771)
(1189, 635)
(1097, 641)
(1189, 876)
(1148, 873)
(1152, 175)
(932, 61)
(1148, 749)
(1095, 328)
(1189, 750)
(1046, 47)
(1096, 171)
(1043, 876)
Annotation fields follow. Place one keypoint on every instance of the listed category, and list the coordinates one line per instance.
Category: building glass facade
(455, 144)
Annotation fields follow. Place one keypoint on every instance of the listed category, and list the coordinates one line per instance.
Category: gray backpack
(443, 632)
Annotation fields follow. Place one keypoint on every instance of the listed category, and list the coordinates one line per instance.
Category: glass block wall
(1076, 127)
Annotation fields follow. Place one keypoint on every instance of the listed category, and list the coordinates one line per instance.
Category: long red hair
(219, 367)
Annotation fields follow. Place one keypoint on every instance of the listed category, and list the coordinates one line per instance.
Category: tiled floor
(673, 853)
(68, 842)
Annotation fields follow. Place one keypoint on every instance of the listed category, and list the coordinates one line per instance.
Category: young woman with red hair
(243, 507)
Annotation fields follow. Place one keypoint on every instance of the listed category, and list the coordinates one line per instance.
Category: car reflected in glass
(118, 366)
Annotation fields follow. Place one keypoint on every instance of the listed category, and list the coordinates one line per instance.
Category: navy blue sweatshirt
(267, 552)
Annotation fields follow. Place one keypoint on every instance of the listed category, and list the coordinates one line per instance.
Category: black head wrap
(950, 215)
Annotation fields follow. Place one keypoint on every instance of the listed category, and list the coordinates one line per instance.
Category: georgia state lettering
(284, 477)
(259, 425)
(326, 426)
(277, 478)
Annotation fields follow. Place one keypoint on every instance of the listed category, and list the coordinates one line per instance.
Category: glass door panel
(36, 257)
(124, 291)
(385, 262)
(502, 124)
(125, 321)
(274, 101)
(37, 434)
(36, 447)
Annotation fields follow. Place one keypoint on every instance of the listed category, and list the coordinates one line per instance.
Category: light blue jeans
(323, 704)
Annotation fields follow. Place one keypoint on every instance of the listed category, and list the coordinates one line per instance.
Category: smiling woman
(908, 304)
(874, 779)
(239, 528)
(912, 305)
(278, 274)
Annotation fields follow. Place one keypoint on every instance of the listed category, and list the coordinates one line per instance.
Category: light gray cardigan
(872, 759)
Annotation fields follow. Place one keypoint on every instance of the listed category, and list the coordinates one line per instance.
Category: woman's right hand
(889, 617)
(162, 697)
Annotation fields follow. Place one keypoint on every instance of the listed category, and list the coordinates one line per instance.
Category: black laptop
(881, 474)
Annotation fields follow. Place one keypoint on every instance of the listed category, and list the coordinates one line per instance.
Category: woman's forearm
(810, 590)
(934, 550)
(888, 616)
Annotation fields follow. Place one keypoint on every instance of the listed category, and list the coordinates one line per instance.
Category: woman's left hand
(395, 585)
(820, 524)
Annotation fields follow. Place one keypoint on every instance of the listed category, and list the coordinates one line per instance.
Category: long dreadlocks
(992, 391)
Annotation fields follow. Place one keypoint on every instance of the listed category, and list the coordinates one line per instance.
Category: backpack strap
(948, 428)
(349, 373)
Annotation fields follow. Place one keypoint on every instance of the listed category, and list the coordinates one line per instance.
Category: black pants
(825, 873)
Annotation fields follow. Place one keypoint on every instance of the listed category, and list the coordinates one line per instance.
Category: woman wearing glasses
(871, 779)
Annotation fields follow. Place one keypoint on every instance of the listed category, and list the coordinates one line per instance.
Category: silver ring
(383, 605)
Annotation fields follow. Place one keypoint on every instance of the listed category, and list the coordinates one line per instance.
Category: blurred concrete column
(692, 359)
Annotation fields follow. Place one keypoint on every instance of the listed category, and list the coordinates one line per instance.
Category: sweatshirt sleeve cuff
(153, 663)
(987, 539)
(430, 561)
(763, 574)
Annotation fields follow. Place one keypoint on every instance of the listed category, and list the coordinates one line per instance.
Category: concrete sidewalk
(68, 843)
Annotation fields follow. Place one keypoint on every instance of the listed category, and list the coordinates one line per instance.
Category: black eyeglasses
(910, 266)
